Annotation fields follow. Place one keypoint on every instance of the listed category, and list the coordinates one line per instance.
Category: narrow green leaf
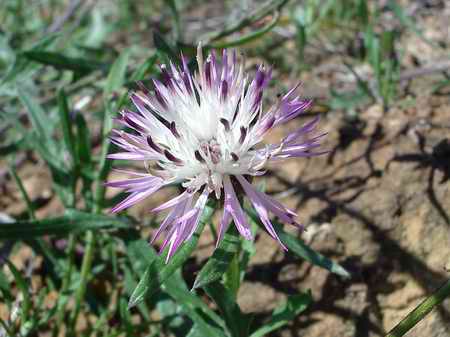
(4, 284)
(14, 147)
(62, 62)
(183, 299)
(40, 121)
(143, 69)
(283, 314)
(235, 274)
(164, 47)
(116, 76)
(237, 322)
(83, 140)
(176, 18)
(23, 286)
(138, 294)
(130, 284)
(66, 125)
(206, 319)
(157, 272)
(299, 247)
(22, 64)
(363, 12)
(219, 262)
(71, 221)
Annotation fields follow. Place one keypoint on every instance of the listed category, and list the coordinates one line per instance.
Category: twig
(61, 20)
(258, 14)
(437, 67)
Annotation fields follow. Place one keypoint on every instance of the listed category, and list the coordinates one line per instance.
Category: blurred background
(378, 203)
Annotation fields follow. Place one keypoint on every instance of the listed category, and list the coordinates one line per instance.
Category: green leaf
(164, 47)
(71, 221)
(176, 18)
(116, 76)
(83, 140)
(62, 62)
(40, 121)
(66, 125)
(202, 316)
(138, 294)
(22, 64)
(143, 69)
(283, 314)
(235, 274)
(299, 247)
(157, 272)
(237, 322)
(23, 287)
(4, 284)
(14, 147)
(219, 262)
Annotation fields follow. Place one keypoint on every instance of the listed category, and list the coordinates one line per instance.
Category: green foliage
(220, 261)
(71, 221)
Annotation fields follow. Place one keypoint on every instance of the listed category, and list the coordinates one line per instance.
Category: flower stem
(420, 311)
(85, 270)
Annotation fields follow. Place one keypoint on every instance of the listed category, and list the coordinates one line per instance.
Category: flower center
(212, 149)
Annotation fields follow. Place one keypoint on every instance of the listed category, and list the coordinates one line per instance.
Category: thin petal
(172, 202)
(232, 206)
(135, 197)
(259, 207)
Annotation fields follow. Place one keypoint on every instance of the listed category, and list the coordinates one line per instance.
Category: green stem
(65, 284)
(420, 311)
(85, 271)
(88, 257)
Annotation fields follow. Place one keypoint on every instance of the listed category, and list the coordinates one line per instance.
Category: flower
(204, 131)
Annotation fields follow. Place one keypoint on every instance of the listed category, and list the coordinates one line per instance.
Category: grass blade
(66, 125)
(62, 62)
(299, 247)
(237, 322)
(71, 221)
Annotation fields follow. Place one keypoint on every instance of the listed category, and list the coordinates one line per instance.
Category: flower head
(205, 131)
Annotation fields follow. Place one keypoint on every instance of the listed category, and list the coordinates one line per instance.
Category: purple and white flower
(205, 132)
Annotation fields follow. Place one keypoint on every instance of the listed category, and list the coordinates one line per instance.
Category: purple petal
(308, 127)
(172, 202)
(259, 207)
(232, 206)
(149, 180)
(224, 224)
(131, 156)
(176, 212)
(135, 197)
